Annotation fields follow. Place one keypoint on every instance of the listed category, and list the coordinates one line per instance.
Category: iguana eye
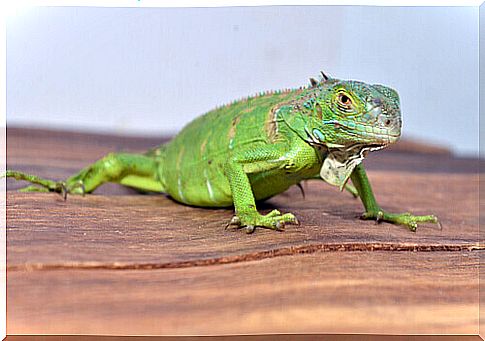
(344, 100)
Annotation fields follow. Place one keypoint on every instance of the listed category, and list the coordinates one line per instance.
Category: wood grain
(324, 292)
(154, 230)
(125, 263)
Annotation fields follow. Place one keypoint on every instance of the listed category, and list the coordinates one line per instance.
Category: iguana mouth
(360, 148)
(374, 147)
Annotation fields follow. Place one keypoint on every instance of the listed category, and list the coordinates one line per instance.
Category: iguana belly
(203, 182)
(209, 187)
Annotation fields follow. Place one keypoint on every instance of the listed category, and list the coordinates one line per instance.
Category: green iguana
(255, 148)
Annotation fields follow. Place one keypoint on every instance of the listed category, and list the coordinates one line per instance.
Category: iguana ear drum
(319, 111)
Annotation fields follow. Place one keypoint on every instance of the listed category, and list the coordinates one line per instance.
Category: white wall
(150, 71)
(482, 82)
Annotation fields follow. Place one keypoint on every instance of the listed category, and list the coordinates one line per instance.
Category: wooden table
(118, 262)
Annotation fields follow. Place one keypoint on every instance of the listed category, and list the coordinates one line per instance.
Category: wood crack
(260, 255)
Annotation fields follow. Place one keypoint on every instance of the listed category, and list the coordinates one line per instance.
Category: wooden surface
(119, 262)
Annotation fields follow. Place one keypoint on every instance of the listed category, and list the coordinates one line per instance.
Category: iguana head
(349, 118)
(355, 113)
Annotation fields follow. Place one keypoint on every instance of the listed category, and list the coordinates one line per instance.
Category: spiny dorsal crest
(323, 78)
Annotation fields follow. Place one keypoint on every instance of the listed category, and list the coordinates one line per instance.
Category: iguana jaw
(367, 134)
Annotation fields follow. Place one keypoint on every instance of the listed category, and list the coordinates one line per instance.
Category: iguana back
(191, 165)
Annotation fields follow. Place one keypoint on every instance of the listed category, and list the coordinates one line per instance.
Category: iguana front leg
(236, 170)
(374, 211)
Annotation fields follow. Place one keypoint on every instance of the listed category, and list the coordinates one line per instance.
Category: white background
(149, 71)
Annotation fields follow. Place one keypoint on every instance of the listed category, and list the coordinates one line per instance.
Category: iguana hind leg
(374, 211)
(133, 170)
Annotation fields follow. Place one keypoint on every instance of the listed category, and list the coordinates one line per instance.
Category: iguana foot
(45, 185)
(273, 220)
(60, 187)
(406, 219)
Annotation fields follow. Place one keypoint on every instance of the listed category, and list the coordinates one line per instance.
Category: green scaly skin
(255, 148)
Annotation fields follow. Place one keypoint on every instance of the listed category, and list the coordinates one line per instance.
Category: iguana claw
(250, 229)
(279, 226)
(78, 184)
(379, 217)
(63, 190)
(234, 221)
(439, 224)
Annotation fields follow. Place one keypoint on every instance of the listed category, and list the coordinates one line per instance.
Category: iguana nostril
(387, 122)
(377, 101)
